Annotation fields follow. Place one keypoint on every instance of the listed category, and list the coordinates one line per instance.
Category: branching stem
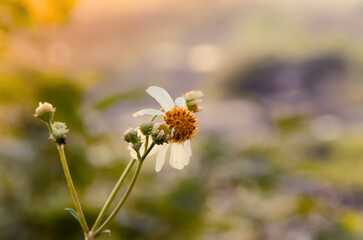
(126, 194)
(113, 194)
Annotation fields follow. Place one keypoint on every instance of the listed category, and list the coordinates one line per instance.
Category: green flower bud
(59, 133)
(130, 136)
(136, 146)
(45, 112)
(147, 128)
(162, 133)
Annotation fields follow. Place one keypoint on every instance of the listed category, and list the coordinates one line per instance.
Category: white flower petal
(189, 147)
(162, 97)
(172, 161)
(180, 101)
(177, 159)
(160, 158)
(155, 149)
(197, 101)
(188, 151)
(132, 151)
(182, 156)
(198, 94)
(187, 160)
(148, 112)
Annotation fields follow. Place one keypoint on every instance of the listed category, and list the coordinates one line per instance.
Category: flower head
(147, 128)
(162, 134)
(193, 98)
(131, 136)
(140, 145)
(45, 111)
(179, 127)
(183, 122)
(59, 133)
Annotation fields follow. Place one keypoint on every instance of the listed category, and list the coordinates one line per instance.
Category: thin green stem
(49, 125)
(113, 194)
(122, 201)
(127, 193)
(72, 189)
(153, 118)
(146, 143)
(137, 154)
(148, 151)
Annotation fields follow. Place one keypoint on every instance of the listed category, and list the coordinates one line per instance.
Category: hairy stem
(72, 189)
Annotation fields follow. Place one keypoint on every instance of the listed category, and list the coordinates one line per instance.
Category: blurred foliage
(111, 100)
(26, 14)
(16, 13)
(299, 182)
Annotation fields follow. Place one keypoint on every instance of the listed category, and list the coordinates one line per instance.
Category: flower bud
(136, 146)
(45, 112)
(162, 133)
(193, 98)
(147, 128)
(59, 133)
(130, 136)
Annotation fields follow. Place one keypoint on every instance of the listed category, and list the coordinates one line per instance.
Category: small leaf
(74, 213)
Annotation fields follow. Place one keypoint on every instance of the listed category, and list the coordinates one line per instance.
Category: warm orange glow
(49, 11)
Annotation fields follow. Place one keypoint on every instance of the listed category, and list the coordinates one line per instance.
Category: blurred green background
(280, 151)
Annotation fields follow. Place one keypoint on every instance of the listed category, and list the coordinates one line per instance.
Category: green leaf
(74, 213)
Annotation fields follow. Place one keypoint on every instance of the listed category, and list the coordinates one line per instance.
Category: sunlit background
(280, 152)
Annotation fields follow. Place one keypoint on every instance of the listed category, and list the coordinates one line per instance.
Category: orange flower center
(183, 121)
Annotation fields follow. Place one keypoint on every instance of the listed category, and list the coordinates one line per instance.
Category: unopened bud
(130, 136)
(193, 99)
(147, 128)
(45, 112)
(59, 133)
(161, 133)
(136, 146)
